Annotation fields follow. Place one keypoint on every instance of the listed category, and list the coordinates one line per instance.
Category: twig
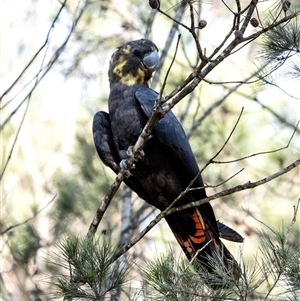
(168, 43)
(250, 11)
(37, 53)
(294, 219)
(28, 219)
(261, 153)
(168, 72)
(39, 76)
(248, 185)
(182, 6)
(194, 79)
(280, 118)
(190, 262)
(105, 203)
(271, 26)
(197, 123)
(15, 140)
(47, 67)
(261, 222)
(150, 23)
(230, 135)
(220, 184)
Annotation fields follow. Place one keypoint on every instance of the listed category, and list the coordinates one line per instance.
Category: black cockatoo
(168, 164)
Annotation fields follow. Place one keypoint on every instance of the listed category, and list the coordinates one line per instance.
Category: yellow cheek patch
(129, 79)
(126, 50)
(118, 69)
(140, 78)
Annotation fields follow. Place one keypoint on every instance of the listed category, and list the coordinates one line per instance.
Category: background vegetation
(54, 66)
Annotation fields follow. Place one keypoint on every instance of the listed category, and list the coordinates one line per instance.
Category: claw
(139, 156)
(123, 165)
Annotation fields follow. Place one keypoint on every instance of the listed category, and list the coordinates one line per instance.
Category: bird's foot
(139, 156)
(123, 165)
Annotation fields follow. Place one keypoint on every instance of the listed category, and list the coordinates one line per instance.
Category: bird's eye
(136, 52)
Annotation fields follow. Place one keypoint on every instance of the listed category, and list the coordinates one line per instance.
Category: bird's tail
(200, 241)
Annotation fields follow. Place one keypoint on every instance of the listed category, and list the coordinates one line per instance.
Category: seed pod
(202, 24)
(254, 22)
(154, 4)
(286, 5)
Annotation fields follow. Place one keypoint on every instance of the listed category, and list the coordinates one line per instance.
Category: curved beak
(151, 60)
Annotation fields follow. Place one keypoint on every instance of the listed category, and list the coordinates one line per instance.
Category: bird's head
(133, 63)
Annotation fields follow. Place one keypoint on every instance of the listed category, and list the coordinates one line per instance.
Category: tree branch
(248, 185)
(170, 210)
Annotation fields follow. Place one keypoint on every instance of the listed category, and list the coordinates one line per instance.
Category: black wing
(103, 140)
(169, 131)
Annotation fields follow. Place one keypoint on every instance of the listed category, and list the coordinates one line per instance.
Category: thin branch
(150, 23)
(187, 267)
(261, 222)
(37, 53)
(208, 111)
(225, 143)
(261, 153)
(194, 79)
(248, 185)
(39, 76)
(168, 71)
(220, 184)
(250, 11)
(294, 219)
(182, 7)
(106, 201)
(15, 140)
(168, 43)
(279, 117)
(28, 219)
(238, 15)
(271, 26)
(48, 66)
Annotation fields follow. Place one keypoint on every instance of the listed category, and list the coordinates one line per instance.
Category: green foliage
(276, 276)
(282, 261)
(172, 279)
(280, 46)
(90, 263)
(282, 41)
(24, 243)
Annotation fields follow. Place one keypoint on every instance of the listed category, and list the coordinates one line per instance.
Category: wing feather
(169, 130)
